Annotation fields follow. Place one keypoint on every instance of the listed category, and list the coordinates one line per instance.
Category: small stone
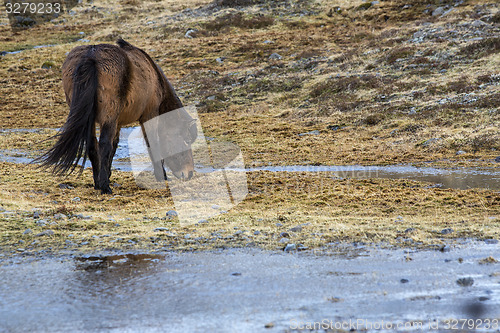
(20, 249)
(202, 221)
(410, 230)
(279, 224)
(483, 299)
(284, 234)
(65, 186)
(36, 215)
(60, 216)
(275, 56)
(211, 98)
(284, 240)
(447, 231)
(438, 11)
(190, 33)
(236, 274)
(269, 325)
(497, 159)
(160, 229)
(296, 229)
(220, 60)
(172, 214)
(215, 207)
(76, 199)
(461, 152)
(445, 248)
(491, 241)
(84, 243)
(27, 231)
(290, 247)
(45, 233)
(465, 282)
(404, 280)
(256, 232)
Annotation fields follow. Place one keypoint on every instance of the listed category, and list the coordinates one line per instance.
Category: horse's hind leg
(94, 158)
(108, 134)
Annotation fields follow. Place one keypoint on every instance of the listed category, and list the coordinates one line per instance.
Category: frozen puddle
(459, 178)
(243, 290)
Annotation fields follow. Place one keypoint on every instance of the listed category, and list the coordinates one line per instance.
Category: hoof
(106, 191)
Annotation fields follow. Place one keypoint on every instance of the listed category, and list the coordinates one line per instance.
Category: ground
(373, 83)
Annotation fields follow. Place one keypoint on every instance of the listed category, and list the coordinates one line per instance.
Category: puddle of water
(460, 178)
(243, 290)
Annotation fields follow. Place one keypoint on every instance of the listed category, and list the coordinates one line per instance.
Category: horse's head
(180, 156)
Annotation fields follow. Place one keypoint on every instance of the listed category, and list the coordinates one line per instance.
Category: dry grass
(377, 82)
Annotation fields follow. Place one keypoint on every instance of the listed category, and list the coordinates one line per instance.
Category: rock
(220, 60)
(296, 229)
(60, 216)
(279, 224)
(460, 152)
(290, 247)
(438, 11)
(333, 127)
(48, 64)
(445, 248)
(497, 159)
(76, 199)
(283, 240)
(202, 221)
(36, 215)
(212, 98)
(160, 229)
(42, 223)
(269, 325)
(404, 280)
(284, 235)
(236, 274)
(172, 214)
(256, 232)
(275, 56)
(491, 241)
(465, 282)
(191, 33)
(479, 24)
(409, 230)
(27, 231)
(447, 231)
(65, 186)
(45, 233)
(429, 142)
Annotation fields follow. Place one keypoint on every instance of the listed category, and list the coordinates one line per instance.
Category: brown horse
(112, 86)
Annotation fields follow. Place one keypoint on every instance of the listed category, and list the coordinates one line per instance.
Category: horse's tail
(75, 136)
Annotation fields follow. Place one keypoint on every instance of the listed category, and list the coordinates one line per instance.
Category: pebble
(404, 281)
(290, 247)
(256, 232)
(296, 229)
(160, 229)
(60, 216)
(491, 241)
(447, 231)
(497, 159)
(45, 233)
(76, 199)
(27, 231)
(36, 215)
(460, 152)
(236, 274)
(189, 33)
(465, 282)
(275, 56)
(65, 186)
(202, 221)
(284, 235)
(172, 213)
(445, 248)
(283, 240)
(438, 11)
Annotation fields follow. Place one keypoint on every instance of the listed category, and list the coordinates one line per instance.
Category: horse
(112, 86)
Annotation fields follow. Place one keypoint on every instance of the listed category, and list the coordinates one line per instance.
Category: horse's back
(127, 82)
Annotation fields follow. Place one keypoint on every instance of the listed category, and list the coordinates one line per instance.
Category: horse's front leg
(158, 168)
(108, 133)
